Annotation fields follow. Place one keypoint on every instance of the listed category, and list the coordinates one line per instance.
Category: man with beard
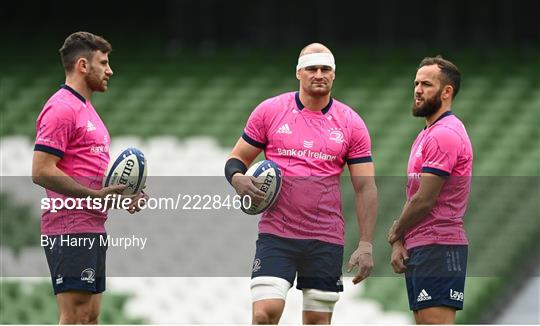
(310, 136)
(428, 240)
(71, 155)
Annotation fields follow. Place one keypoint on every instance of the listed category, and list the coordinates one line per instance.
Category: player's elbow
(35, 175)
(38, 174)
(367, 186)
(36, 179)
(424, 203)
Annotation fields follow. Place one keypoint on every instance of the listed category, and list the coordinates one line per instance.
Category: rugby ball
(128, 169)
(268, 177)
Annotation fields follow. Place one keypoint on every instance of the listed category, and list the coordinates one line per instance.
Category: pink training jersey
(70, 128)
(311, 148)
(442, 149)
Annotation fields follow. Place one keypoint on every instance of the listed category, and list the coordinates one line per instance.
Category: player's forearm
(414, 212)
(366, 211)
(56, 180)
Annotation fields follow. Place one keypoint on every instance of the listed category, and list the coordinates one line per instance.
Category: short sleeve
(255, 130)
(360, 143)
(440, 152)
(54, 127)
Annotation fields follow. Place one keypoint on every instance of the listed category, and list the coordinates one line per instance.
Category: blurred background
(188, 73)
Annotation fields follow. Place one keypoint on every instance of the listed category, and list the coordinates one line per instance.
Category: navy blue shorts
(77, 263)
(435, 276)
(317, 263)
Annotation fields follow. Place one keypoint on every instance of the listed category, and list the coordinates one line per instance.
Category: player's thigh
(320, 268)
(275, 257)
(268, 295)
(435, 315)
(319, 303)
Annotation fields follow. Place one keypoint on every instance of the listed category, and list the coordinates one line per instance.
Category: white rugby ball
(128, 169)
(268, 176)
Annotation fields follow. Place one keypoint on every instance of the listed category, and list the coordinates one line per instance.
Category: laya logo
(456, 295)
(336, 135)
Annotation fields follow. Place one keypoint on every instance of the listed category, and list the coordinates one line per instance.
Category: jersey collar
(444, 115)
(74, 92)
(301, 106)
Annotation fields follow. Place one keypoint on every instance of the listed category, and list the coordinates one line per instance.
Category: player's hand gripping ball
(128, 169)
(268, 177)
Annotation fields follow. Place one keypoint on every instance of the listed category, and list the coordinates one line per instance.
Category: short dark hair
(450, 74)
(81, 44)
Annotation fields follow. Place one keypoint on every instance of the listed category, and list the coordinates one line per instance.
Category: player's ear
(448, 90)
(82, 65)
(298, 74)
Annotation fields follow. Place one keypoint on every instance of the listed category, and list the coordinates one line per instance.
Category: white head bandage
(316, 59)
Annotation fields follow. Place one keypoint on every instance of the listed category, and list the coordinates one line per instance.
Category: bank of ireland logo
(336, 135)
(256, 265)
(88, 275)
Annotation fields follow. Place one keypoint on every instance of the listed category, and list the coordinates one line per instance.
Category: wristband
(232, 167)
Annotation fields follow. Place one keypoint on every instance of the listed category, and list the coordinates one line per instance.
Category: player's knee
(77, 309)
(317, 318)
(269, 287)
(93, 317)
(80, 315)
(435, 318)
(262, 317)
(319, 301)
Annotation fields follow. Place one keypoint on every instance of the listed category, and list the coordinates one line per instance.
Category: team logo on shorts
(336, 135)
(88, 275)
(256, 265)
